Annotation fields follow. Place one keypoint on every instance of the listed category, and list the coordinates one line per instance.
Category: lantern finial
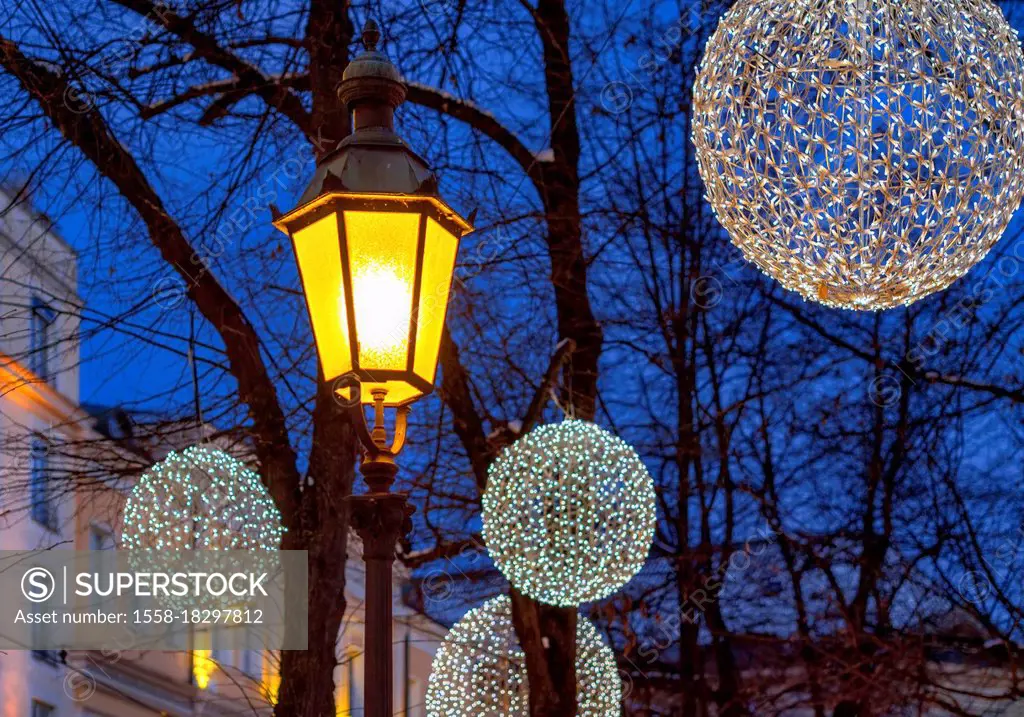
(371, 35)
(371, 85)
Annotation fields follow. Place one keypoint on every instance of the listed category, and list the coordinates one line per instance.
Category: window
(40, 634)
(355, 697)
(100, 538)
(222, 656)
(50, 657)
(41, 339)
(252, 663)
(44, 511)
(41, 709)
(103, 560)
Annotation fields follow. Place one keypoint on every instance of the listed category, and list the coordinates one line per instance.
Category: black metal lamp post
(376, 250)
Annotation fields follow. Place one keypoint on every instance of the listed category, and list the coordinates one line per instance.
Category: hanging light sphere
(480, 669)
(864, 153)
(568, 513)
(200, 499)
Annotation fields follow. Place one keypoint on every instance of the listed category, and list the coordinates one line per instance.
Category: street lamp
(376, 248)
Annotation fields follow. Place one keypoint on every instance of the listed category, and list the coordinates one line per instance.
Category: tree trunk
(548, 633)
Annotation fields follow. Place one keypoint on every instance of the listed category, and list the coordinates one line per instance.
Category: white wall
(34, 263)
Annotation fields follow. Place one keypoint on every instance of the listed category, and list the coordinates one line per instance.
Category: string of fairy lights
(568, 518)
(479, 669)
(864, 153)
(568, 513)
(201, 499)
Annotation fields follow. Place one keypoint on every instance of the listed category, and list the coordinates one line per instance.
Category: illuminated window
(203, 667)
(271, 678)
(343, 692)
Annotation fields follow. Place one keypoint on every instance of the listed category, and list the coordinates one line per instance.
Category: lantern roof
(376, 161)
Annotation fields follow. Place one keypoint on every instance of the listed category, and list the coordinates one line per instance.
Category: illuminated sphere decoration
(201, 499)
(568, 513)
(480, 669)
(864, 153)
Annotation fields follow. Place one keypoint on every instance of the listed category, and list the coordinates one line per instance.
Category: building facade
(39, 315)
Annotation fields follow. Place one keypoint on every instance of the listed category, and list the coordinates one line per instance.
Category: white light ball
(480, 670)
(568, 513)
(864, 153)
(201, 499)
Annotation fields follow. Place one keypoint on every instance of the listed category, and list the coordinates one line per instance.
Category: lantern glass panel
(439, 249)
(319, 258)
(382, 263)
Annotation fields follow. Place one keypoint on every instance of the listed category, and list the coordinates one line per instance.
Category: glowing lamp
(203, 667)
(376, 247)
(377, 272)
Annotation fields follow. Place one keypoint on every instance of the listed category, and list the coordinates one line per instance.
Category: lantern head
(375, 246)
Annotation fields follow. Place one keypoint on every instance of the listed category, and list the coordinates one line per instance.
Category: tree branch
(89, 133)
(328, 36)
(207, 48)
(468, 424)
(905, 365)
(443, 550)
(540, 397)
(483, 122)
(241, 86)
(232, 88)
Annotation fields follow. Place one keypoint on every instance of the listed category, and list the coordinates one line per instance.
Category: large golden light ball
(864, 153)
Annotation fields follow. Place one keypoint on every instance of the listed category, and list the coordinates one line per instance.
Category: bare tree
(821, 496)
